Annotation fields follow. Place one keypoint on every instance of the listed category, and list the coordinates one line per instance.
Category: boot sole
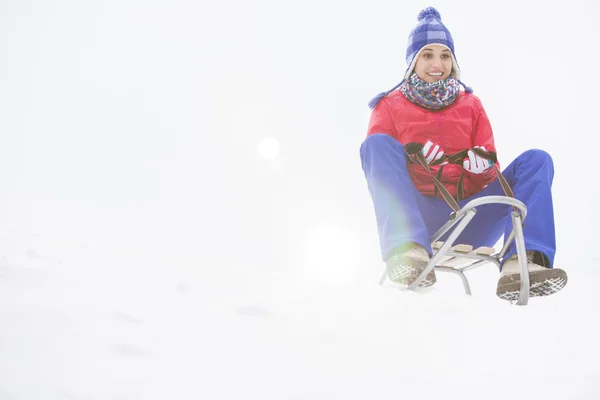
(407, 271)
(541, 283)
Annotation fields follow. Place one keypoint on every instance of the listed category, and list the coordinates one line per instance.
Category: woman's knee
(382, 152)
(380, 142)
(537, 162)
(538, 157)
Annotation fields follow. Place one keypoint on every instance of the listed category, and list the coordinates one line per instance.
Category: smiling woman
(434, 63)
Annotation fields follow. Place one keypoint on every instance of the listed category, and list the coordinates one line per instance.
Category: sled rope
(413, 150)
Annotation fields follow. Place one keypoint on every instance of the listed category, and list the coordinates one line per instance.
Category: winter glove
(476, 164)
(432, 152)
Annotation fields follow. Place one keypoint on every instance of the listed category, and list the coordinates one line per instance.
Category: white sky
(136, 124)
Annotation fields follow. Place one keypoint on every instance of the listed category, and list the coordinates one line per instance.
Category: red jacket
(462, 125)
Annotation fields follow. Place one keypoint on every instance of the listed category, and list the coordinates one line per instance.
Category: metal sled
(449, 258)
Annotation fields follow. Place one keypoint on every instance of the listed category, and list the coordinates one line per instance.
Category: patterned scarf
(433, 96)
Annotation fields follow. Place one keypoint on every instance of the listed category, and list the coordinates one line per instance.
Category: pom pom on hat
(373, 102)
(468, 89)
(429, 12)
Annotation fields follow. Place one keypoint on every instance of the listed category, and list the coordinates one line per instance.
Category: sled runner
(457, 259)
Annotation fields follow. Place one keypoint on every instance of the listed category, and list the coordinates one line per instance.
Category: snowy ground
(79, 322)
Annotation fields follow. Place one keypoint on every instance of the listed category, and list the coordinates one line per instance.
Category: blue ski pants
(405, 215)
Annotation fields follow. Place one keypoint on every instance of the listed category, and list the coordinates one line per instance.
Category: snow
(151, 247)
(98, 325)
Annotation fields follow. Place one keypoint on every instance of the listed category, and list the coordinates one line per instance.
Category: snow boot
(406, 263)
(543, 281)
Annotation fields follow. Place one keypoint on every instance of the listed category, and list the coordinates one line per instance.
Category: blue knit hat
(429, 30)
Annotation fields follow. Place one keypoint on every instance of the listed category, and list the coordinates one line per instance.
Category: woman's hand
(476, 164)
(431, 152)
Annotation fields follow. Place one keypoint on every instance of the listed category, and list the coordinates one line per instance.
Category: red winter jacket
(462, 125)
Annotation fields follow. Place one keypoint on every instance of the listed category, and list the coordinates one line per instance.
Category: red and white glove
(476, 164)
(431, 152)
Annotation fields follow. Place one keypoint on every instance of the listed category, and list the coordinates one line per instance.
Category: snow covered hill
(80, 322)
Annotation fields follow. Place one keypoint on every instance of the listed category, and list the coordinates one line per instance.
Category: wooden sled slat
(485, 251)
(457, 262)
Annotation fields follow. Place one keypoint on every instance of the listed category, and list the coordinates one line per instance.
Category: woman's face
(434, 63)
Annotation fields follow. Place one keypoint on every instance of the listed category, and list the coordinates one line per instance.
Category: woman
(426, 129)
